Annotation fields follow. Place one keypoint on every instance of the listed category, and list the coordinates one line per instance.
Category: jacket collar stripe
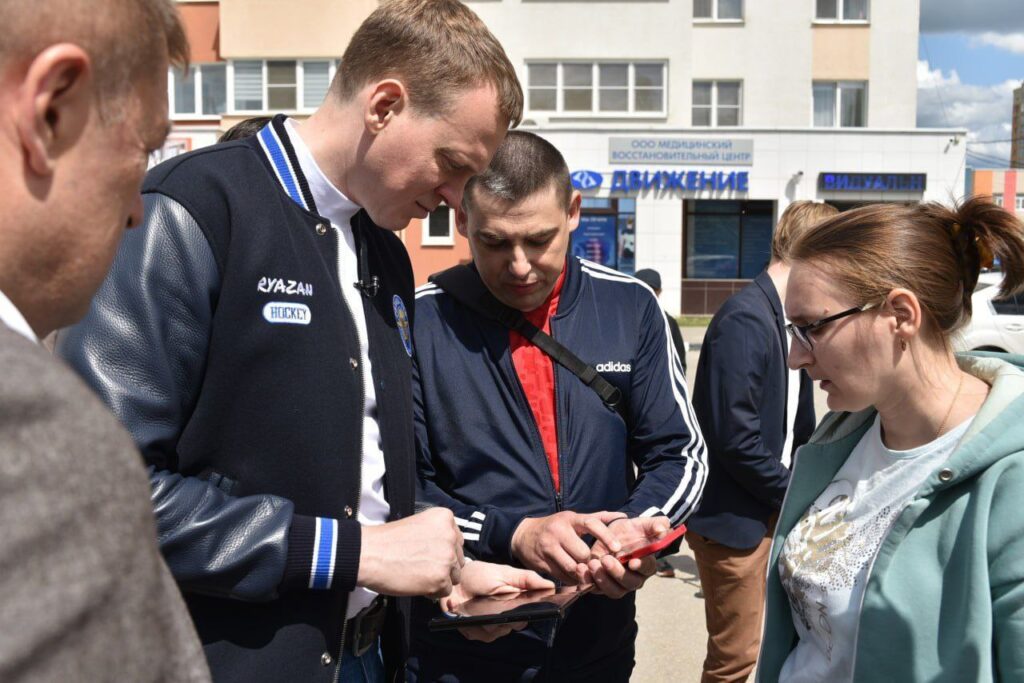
(278, 122)
(271, 145)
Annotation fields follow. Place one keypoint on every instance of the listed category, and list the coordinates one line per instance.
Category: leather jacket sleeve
(143, 348)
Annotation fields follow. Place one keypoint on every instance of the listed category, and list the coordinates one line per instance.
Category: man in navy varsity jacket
(529, 457)
(255, 338)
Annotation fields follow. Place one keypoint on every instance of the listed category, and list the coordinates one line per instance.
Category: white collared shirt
(12, 317)
(792, 404)
(333, 205)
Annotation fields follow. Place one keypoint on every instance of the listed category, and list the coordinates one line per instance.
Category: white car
(996, 324)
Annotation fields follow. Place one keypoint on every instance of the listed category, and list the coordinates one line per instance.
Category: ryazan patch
(287, 312)
(279, 285)
(402, 320)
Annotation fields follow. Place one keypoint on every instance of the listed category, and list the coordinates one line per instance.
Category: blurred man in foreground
(84, 593)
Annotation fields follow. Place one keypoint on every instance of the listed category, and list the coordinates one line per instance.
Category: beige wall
(201, 21)
(841, 53)
(285, 28)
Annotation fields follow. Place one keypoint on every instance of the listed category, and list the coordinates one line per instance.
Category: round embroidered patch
(402, 319)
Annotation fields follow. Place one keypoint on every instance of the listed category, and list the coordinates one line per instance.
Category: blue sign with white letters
(586, 180)
(687, 181)
(873, 182)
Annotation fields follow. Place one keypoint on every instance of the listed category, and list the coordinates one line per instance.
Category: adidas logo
(614, 367)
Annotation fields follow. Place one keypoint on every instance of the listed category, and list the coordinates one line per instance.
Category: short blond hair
(798, 218)
(437, 48)
(123, 38)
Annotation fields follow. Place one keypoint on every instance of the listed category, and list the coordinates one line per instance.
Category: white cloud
(943, 101)
(1011, 42)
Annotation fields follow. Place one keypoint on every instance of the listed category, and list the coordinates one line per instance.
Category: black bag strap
(464, 285)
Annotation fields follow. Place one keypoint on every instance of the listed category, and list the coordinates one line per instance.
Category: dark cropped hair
(524, 164)
(245, 128)
(934, 251)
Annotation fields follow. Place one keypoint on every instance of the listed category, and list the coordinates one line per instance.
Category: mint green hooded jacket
(945, 595)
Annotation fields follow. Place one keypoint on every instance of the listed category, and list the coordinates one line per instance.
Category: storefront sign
(872, 182)
(690, 181)
(714, 150)
(687, 181)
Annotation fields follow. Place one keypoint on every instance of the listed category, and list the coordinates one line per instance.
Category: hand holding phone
(615, 577)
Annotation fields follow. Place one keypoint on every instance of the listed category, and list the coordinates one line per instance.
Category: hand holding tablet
(510, 608)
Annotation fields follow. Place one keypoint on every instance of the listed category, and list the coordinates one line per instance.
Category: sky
(970, 58)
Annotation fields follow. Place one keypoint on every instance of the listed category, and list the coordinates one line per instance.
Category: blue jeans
(366, 669)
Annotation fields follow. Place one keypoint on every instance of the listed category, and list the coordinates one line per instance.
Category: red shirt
(536, 373)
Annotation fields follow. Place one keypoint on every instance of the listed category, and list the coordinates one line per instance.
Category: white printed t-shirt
(827, 557)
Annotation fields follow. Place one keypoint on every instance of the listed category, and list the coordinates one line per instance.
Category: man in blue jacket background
(755, 413)
(525, 454)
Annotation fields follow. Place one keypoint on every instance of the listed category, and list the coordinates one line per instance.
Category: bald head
(125, 39)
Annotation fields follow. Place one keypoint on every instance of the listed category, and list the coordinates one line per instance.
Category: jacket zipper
(536, 433)
(558, 432)
(362, 392)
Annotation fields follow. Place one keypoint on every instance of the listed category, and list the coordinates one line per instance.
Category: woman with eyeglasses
(899, 551)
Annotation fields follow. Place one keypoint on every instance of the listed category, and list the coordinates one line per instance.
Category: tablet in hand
(507, 608)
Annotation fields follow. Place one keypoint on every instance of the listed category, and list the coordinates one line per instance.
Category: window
(204, 85)
(282, 88)
(1011, 305)
(597, 88)
(997, 199)
(841, 10)
(727, 239)
(843, 101)
(717, 103)
(280, 84)
(248, 86)
(438, 230)
(607, 233)
(1020, 203)
(718, 10)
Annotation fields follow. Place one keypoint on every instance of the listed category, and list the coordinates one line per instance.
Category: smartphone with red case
(644, 548)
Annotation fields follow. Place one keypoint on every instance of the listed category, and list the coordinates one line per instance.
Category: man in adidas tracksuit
(527, 456)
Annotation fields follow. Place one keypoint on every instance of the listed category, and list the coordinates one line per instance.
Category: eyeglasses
(802, 333)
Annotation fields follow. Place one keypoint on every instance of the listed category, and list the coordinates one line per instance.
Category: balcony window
(855, 11)
(200, 92)
(596, 89)
(717, 103)
(280, 85)
(842, 104)
(718, 10)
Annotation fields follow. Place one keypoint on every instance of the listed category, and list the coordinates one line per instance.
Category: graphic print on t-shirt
(825, 556)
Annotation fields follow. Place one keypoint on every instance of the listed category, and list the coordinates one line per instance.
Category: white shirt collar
(12, 317)
(331, 203)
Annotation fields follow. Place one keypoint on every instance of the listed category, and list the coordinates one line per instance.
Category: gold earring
(903, 344)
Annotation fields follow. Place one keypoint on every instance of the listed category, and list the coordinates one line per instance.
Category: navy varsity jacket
(479, 451)
(222, 342)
